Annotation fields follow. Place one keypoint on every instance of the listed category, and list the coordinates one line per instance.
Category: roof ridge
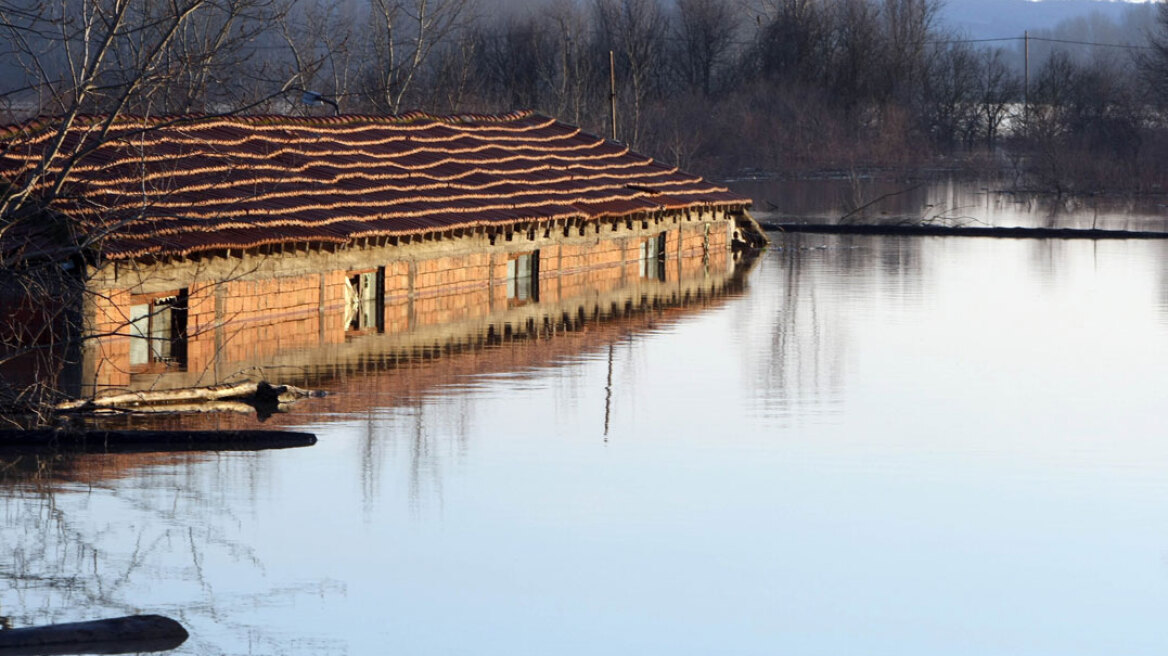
(39, 123)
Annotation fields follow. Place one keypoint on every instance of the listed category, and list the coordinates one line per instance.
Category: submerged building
(213, 247)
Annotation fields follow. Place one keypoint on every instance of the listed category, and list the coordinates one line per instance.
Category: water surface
(879, 446)
(859, 198)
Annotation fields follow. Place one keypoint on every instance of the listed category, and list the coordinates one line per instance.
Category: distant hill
(986, 19)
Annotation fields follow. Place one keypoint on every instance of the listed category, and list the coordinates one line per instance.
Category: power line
(989, 40)
(1125, 46)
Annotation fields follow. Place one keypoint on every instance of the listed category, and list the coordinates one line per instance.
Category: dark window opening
(653, 258)
(365, 301)
(158, 332)
(523, 278)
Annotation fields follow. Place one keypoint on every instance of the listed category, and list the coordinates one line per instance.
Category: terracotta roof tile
(180, 185)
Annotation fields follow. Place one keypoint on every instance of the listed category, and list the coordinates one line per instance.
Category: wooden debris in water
(119, 635)
(243, 397)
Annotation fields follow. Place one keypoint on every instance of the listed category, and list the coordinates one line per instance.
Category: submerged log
(256, 393)
(203, 407)
(119, 635)
(149, 441)
(926, 230)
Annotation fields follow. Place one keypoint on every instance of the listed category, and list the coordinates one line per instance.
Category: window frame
(522, 289)
(356, 304)
(652, 257)
(175, 314)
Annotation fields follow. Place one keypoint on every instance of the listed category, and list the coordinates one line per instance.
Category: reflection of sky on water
(887, 446)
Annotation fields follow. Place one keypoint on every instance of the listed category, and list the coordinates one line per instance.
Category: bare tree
(215, 58)
(579, 73)
(635, 30)
(909, 25)
(116, 56)
(792, 41)
(997, 89)
(85, 56)
(320, 42)
(108, 58)
(518, 63)
(454, 86)
(705, 33)
(1154, 64)
(403, 35)
(948, 105)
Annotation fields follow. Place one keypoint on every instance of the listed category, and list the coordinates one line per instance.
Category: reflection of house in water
(254, 242)
(615, 303)
(362, 372)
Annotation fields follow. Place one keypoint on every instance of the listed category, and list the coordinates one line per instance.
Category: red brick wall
(452, 288)
(112, 348)
(263, 317)
(239, 321)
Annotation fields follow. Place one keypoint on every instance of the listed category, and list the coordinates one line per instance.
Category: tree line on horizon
(721, 86)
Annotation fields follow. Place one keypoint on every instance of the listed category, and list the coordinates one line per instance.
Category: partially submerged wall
(238, 312)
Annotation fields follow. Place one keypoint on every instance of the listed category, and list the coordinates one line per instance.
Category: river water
(876, 446)
(880, 199)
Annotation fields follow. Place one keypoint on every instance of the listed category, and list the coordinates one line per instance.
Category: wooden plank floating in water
(116, 441)
(964, 231)
(119, 635)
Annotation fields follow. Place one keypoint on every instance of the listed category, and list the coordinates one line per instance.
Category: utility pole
(612, 90)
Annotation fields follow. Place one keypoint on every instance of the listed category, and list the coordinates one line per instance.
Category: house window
(653, 258)
(523, 278)
(365, 301)
(158, 332)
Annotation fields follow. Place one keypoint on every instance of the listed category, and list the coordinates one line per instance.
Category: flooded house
(273, 246)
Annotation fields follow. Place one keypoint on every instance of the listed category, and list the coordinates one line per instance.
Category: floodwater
(875, 446)
(950, 202)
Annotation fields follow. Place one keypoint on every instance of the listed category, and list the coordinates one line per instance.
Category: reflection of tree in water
(948, 201)
(802, 365)
(87, 537)
(1046, 256)
(1162, 248)
(990, 205)
(427, 426)
(809, 296)
(426, 431)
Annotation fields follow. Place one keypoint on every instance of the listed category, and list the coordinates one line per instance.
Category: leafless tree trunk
(635, 30)
(404, 34)
(577, 72)
(455, 86)
(103, 57)
(518, 63)
(792, 41)
(909, 24)
(320, 45)
(115, 56)
(997, 89)
(1154, 63)
(705, 32)
(949, 101)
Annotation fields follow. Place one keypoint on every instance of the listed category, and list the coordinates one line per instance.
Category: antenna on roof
(314, 98)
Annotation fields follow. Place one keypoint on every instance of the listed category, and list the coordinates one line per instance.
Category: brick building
(219, 246)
